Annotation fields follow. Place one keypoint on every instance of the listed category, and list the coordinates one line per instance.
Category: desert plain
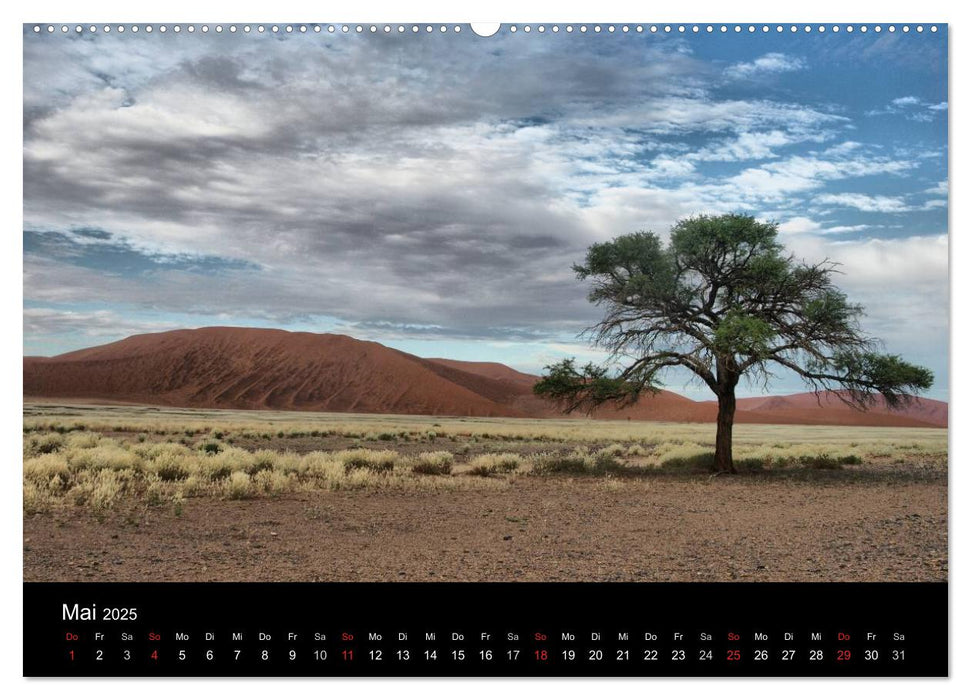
(135, 493)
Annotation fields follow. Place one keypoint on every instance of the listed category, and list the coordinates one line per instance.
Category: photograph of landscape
(318, 304)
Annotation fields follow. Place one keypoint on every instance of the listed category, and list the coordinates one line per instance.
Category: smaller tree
(723, 300)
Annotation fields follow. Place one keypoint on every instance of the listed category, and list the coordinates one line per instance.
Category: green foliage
(887, 375)
(703, 238)
(821, 462)
(740, 334)
(723, 300)
(564, 383)
(636, 265)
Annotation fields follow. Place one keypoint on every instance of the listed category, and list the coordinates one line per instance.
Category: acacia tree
(724, 300)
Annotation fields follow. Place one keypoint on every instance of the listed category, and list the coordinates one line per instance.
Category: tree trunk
(723, 436)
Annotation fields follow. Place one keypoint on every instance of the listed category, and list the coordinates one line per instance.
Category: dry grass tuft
(371, 460)
(492, 464)
(98, 457)
(439, 463)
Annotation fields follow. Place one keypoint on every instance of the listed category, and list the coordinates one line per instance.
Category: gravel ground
(539, 529)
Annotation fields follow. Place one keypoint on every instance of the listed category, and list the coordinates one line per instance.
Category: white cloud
(849, 229)
(905, 101)
(769, 64)
(804, 173)
(703, 113)
(671, 167)
(802, 225)
(799, 225)
(843, 149)
(901, 283)
(749, 146)
(355, 195)
(865, 202)
(96, 324)
(912, 108)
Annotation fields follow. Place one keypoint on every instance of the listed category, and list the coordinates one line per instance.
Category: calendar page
(545, 349)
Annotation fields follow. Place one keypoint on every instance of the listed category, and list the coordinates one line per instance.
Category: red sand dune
(256, 368)
(925, 410)
(491, 370)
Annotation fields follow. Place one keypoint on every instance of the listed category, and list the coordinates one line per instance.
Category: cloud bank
(440, 187)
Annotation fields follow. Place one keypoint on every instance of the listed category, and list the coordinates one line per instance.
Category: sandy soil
(561, 529)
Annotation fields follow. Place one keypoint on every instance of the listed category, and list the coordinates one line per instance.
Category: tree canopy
(723, 299)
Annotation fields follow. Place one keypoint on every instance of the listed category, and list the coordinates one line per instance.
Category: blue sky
(431, 191)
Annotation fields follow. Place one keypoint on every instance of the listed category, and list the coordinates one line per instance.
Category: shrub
(433, 463)
(614, 450)
(289, 463)
(704, 461)
(211, 469)
(178, 503)
(83, 440)
(100, 489)
(489, 464)
(262, 460)
(107, 455)
(358, 479)
(553, 463)
(273, 481)
(604, 460)
(153, 491)
(155, 450)
(169, 467)
(237, 486)
(821, 461)
(195, 485)
(44, 444)
(372, 460)
(685, 456)
(211, 447)
(749, 464)
(43, 468)
(325, 469)
(36, 498)
(221, 465)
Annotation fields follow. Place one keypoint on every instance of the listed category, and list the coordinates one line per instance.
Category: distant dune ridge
(255, 368)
